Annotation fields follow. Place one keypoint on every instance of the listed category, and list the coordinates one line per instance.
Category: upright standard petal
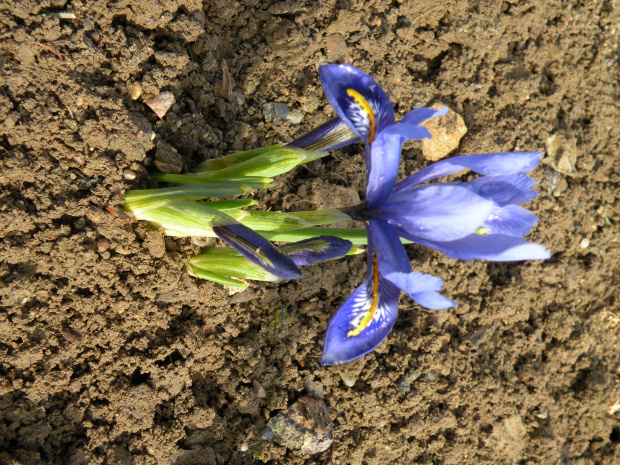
(316, 249)
(418, 116)
(490, 164)
(394, 266)
(329, 136)
(494, 247)
(257, 249)
(358, 99)
(383, 157)
(435, 212)
(383, 160)
(363, 321)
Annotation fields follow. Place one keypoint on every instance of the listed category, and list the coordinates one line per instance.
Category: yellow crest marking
(373, 304)
(355, 95)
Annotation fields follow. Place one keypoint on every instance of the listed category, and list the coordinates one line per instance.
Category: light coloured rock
(136, 90)
(348, 380)
(305, 427)
(335, 47)
(562, 153)
(447, 132)
(161, 104)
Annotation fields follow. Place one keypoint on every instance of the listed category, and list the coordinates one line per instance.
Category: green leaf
(183, 218)
(254, 182)
(217, 278)
(230, 204)
(279, 221)
(268, 164)
(356, 235)
(233, 159)
(146, 198)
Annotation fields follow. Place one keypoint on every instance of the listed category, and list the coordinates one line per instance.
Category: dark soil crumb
(111, 354)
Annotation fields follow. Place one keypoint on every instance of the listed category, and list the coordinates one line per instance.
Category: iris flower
(479, 219)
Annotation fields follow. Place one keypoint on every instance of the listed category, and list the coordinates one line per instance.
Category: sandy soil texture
(111, 354)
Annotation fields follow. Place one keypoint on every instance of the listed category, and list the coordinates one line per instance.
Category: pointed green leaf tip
(269, 163)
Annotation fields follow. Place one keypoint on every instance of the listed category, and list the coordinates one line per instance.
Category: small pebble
(447, 132)
(161, 104)
(244, 296)
(275, 109)
(335, 47)
(168, 159)
(200, 16)
(136, 90)
(259, 389)
(305, 426)
(129, 175)
(431, 376)
(80, 100)
(404, 384)
(295, 116)
(562, 153)
(348, 380)
(102, 245)
(584, 244)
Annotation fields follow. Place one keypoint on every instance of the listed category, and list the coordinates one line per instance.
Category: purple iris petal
(382, 163)
(504, 190)
(332, 135)
(340, 345)
(394, 266)
(390, 252)
(494, 247)
(357, 99)
(257, 249)
(419, 115)
(433, 300)
(491, 164)
(511, 220)
(316, 249)
(383, 157)
(436, 212)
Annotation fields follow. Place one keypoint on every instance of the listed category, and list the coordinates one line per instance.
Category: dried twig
(51, 49)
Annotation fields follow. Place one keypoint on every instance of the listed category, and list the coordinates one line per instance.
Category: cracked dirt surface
(111, 354)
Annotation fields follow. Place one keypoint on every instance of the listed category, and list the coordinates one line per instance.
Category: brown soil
(118, 357)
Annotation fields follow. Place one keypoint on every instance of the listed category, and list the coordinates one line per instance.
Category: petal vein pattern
(362, 115)
(362, 322)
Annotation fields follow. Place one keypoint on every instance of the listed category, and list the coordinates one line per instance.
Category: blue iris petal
(494, 247)
(418, 116)
(512, 189)
(491, 164)
(436, 212)
(394, 265)
(433, 300)
(257, 249)
(382, 166)
(357, 99)
(316, 249)
(511, 220)
(339, 347)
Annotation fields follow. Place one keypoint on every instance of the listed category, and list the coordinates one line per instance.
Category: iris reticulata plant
(477, 219)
